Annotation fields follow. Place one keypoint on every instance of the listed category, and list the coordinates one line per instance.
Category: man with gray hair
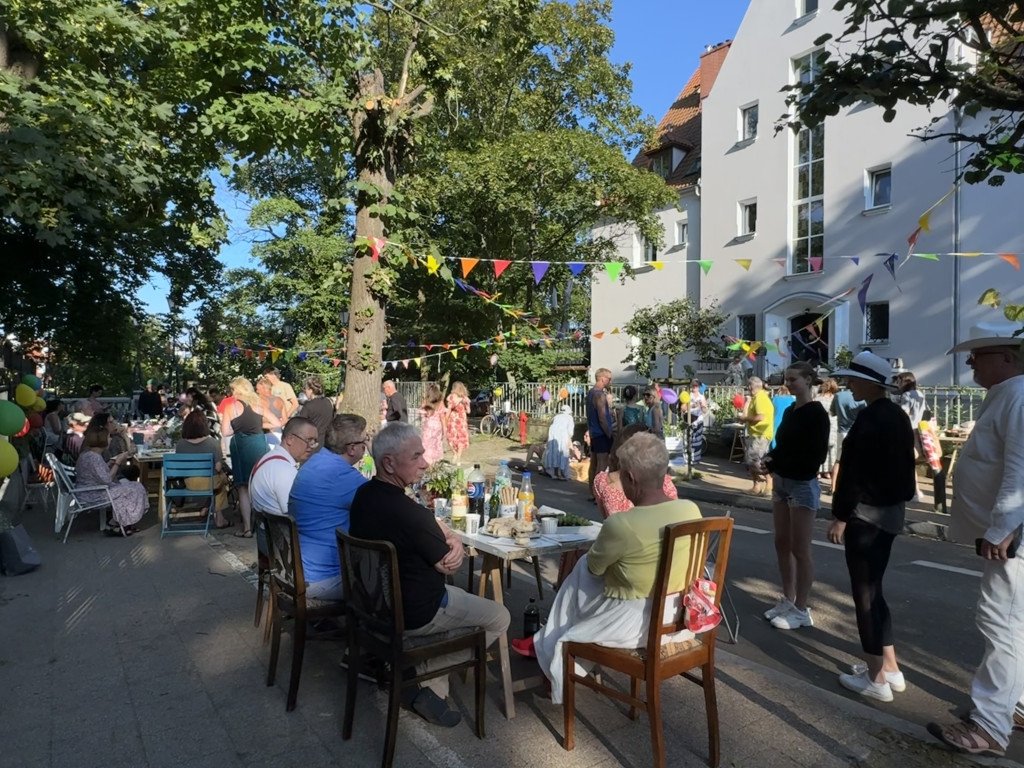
(427, 552)
(320, 500)
(396, 408)
(758, 414)
(607, 597)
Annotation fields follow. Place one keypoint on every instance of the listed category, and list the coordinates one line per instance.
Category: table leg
(490, 569)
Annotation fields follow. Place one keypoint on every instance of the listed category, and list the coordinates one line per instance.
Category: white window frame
(743, 212)
(662, 158)
(868, 340)
(806, 7)
(807, 199)
(649, 251)
(742, 126)
(870, 174)
(682, 233)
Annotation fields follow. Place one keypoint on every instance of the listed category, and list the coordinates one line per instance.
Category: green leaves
(673, 328)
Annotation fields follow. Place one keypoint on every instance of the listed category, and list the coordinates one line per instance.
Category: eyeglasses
(974, 355)
(312, 442)
(364, 441)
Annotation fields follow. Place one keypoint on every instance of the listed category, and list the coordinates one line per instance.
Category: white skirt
(583, 613)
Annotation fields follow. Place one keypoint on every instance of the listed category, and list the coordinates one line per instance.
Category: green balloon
(12, 417)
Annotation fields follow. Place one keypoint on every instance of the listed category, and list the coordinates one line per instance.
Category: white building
(670, 271)
(800, 206)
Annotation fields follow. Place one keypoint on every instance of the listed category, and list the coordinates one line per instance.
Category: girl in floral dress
(432, 423)
(458, 427)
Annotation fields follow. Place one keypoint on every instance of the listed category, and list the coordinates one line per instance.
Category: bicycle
(497, 424)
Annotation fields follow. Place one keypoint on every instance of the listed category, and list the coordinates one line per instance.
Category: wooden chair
(656, 662)
(177, 467)
(262, 572)
(376, 625)
(288, 599)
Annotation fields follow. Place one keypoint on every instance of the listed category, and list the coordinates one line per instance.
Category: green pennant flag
(613, 268)
(705, 265)
(929, 256)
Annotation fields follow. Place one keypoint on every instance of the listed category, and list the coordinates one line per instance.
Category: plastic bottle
(475, 491)
(460, 502)
(524, 505)
(531, 619)
(503, 476)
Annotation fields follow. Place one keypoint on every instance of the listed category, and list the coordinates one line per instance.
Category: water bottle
(475, 491)
(531, 619)
(524, 501)
(503, 479)
(503, 476)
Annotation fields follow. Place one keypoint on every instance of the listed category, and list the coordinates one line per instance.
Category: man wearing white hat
(988, 510)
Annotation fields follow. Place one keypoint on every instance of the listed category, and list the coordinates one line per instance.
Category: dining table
(151, 462)
(496, 553)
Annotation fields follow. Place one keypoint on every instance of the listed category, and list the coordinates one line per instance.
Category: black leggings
(867, 555)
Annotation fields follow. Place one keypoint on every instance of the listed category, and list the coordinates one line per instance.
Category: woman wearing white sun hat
(875, 481)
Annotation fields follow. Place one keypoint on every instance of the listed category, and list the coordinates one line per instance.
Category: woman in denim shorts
(801, 445)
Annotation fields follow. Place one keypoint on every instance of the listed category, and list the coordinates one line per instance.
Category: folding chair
(732, 627)
(45, 489)
(177, 467)
(70, 502)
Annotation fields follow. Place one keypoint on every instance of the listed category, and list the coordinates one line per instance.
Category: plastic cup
(472, 524)
(549, 524)
(440, 507)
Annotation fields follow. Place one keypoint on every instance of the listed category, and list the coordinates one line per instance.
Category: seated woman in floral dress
(608, 490)
(130, 500)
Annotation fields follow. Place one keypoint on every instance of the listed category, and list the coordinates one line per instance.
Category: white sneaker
(895, 679)
(794, 618)
(780, 608)
(865, 686)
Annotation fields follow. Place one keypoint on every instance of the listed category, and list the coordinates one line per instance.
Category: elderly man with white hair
(427, 553)
(607, 597)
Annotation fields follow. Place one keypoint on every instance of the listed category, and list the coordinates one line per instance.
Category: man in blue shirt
(320, 500)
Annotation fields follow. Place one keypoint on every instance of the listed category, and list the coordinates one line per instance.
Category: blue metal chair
(177, 467)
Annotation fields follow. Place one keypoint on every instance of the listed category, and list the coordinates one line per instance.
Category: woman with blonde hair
(826, 394)
(245, 428)
(457, 428)
(432, 423)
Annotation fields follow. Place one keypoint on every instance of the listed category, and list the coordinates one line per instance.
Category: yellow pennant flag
(923, 222)
(656, 264)
(432, 264)
(745, 263)
(455, 352)
(273, 355)
(418, 360)
(614, 330)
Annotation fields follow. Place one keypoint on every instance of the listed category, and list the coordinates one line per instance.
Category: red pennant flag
(429, 347)
(499, 266)
(1011, 258)
(446, 346)
(335, 361)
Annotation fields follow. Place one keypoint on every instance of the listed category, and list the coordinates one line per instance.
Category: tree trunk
(367, 326)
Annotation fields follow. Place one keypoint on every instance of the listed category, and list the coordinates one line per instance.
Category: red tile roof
(680, 125)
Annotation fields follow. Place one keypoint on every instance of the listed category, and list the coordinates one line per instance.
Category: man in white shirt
(273, 475)
(988, 511)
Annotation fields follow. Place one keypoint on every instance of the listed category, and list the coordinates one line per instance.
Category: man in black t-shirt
(397, 409)
(427, 552)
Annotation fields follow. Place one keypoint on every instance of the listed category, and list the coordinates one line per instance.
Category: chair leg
(351, 685)
(569, 701)
(536, 574)
(711, 705)
(268, 621)
(259, 599)
(71, 519)
(469, 582)
(481, 682)
(654, 716)
(634, 691)
(298, 651)
(275, 642)
(394, 703)
(508, 575)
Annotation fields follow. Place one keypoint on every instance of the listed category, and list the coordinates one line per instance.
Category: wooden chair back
(369, 572)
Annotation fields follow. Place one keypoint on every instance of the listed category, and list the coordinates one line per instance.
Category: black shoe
(434, 710)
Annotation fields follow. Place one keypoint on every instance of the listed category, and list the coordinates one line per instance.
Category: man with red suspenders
(273, 475)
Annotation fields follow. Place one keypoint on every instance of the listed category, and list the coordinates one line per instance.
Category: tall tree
(963, 53)
(673, 328)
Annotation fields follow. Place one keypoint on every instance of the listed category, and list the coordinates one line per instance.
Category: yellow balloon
(24, 395)
(8, 458)
(39, 404)
(497, 391)
(684, 396)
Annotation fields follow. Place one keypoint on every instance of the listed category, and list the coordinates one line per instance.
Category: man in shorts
(758, 415)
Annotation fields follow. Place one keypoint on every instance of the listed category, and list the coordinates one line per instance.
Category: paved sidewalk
(142, 653)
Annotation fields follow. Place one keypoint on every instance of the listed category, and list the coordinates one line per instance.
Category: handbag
(700, 611)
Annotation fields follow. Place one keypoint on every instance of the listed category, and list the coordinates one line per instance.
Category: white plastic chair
(70, 503)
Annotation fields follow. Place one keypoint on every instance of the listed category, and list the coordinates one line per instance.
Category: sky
(662, 39)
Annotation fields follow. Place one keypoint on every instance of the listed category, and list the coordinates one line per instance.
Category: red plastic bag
(701, 613)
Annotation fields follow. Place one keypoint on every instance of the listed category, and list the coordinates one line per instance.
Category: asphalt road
(931, 587)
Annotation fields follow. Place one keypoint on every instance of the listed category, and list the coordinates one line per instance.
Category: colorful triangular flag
(1010, 258)
(862, 293)
(656, 264)
(432, 264)
(613, 268)
(705, 265)
(467, 265)
(576, 267)
(500, 265)
(745, 263)
(815, 262)
(929, 256)
(539, 268)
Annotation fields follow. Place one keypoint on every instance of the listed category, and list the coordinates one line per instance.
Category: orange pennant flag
(599, 334)
(1011, 258)
(467, 265)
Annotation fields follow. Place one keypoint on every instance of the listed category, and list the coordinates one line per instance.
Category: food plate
(533, 535)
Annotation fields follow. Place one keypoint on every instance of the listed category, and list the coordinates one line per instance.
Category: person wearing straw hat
(876, 479)
(988, 509)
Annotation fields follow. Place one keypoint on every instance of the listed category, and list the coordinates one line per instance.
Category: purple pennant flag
(220, 349)
(576, 267)
(234, 350)
(302, 355)
(862, 293)
(855, 260)
(459, 283)
(539, 268)
(890, 265)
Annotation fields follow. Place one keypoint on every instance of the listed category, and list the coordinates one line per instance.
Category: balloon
(668, 395)
(701, 388)
(563, 393)
(31, 381)
(497, 391)
(8, 458)
(24, 429)
(545, 395)
(24, 395)
(11, 417)
(35, 421)
(39, 404)
(737, 400)
(684, 396)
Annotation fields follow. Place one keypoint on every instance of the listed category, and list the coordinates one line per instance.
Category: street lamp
(343, 317)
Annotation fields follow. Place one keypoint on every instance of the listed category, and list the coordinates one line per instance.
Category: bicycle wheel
(506, 428)
(488, 425)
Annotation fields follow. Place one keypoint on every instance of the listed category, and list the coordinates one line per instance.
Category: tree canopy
(963, 53)
(673, 328)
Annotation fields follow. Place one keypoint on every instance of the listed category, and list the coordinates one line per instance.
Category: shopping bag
(700, 611)
(17, 553)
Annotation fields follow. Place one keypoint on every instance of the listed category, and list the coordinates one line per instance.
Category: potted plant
(439, 479)
(674, 437)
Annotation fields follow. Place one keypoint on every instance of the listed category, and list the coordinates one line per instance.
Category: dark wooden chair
(262, 573)
(376, 625)
(656, 662)
(288, 600)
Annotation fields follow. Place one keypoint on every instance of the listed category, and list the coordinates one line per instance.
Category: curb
(692, 490)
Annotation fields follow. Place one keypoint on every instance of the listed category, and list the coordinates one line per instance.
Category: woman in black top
(876, 479)
(801, 444)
